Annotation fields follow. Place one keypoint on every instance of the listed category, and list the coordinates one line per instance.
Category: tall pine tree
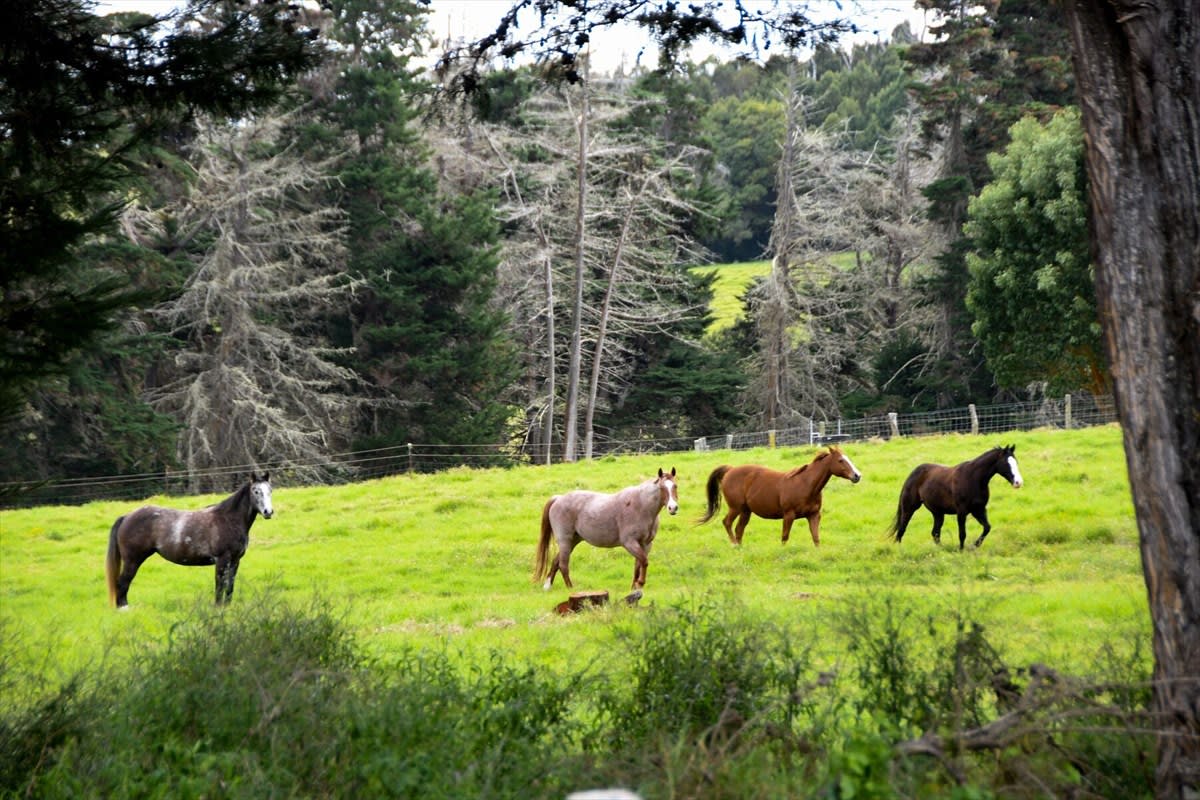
(427, 341)
(987, 64)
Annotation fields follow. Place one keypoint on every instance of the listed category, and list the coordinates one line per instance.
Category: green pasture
(728, 288)
(445, 559)
(732, 281)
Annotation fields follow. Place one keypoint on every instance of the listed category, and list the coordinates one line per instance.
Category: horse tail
(894, 528)
(112, 564)
(910, 485)
(541, 566)
(714, 492)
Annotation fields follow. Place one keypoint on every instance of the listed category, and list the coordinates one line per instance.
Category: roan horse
(958, 490)
(215, 535)
(753, 489)
(628, 518)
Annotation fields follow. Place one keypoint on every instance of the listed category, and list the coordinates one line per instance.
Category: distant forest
(327, 253)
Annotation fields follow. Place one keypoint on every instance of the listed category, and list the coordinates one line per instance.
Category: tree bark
(571, 413)
(1137, 65)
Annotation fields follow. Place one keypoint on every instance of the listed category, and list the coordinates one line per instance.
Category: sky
(471, 19)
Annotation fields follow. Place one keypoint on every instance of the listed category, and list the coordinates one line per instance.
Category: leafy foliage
(1031, 290)
(277, 700)
(79, 94)
(429, 345)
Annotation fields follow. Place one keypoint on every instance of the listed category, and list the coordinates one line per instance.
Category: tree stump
(580, 600)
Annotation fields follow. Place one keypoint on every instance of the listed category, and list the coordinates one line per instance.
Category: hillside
(728, 288)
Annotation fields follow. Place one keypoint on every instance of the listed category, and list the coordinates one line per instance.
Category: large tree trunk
(574, 368)
(1137, 65)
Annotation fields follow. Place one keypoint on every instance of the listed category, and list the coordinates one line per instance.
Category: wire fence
(1070, 411)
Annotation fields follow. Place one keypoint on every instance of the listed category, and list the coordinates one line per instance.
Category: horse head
(260, 494)
(842, 466)
(668, 490)
(1006, 465)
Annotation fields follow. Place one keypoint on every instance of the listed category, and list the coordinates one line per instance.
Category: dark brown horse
(628, 518)
(216, 535)
(753, 489)
(958, 490)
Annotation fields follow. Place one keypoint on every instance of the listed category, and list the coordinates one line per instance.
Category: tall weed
(702, 699)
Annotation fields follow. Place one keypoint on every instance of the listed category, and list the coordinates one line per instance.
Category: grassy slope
(731, 283)
(446, 558)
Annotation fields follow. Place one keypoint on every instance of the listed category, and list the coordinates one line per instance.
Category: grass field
(731, 283)
(445, 559)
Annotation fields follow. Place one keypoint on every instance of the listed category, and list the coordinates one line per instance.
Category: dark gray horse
(217, 535)
(628, 518)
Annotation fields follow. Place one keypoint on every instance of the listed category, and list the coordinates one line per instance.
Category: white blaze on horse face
(1016, 472)
(672, 495)
(857, 476)
(261, 492)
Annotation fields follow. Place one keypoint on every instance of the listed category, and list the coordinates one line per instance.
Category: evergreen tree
(78, 93)
(956, 67)
(427, 340)
(1031, 290)
(987, 65)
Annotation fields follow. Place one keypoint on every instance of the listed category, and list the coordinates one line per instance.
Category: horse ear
(672, 472)
(266, 478)
(660, 473)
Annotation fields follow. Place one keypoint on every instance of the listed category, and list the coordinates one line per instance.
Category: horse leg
(962, 530)
(728, 522)
(981, 515)
(904, 515)
(740, 530)
(564, 562)
(788, 519)
(938, 519)
(814, 528)
(641, 563)
(226, 571)
(130, 568)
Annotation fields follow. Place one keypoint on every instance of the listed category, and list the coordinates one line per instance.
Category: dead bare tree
(809, 313)
(254, 380)
(618, 253)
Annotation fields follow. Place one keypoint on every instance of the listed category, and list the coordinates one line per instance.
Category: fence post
(729, 441)
(894, 424)
(700, 445)
(1067, 412)
(771, 438)
(410, 457)
(974, 419)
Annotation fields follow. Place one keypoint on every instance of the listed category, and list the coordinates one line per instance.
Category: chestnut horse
(753, 489)
(628, 518)
(958, 490)
(217, 535)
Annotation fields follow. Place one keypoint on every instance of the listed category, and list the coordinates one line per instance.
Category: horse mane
(234, 500)
(986, 457)
(831, 450)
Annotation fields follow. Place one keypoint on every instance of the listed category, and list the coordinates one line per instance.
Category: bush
(264, 700)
